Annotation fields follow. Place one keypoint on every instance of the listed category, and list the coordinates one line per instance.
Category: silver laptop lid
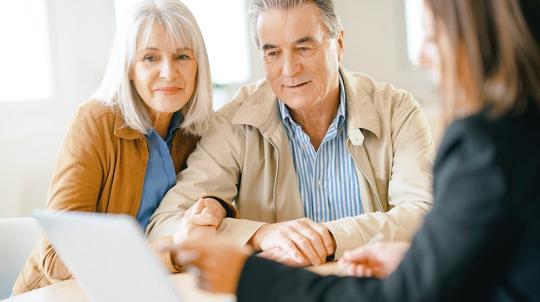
(108, 256)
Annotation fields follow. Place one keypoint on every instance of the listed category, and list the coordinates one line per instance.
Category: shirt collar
(176, 121)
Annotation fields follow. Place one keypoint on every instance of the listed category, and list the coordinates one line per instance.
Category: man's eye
(304, 49)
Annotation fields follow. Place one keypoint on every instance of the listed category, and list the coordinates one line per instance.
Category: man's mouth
(297, 86)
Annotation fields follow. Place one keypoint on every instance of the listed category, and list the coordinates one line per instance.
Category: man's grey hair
(327, 7)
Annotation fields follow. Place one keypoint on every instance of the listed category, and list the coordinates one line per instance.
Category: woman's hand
(216, 263)
(377, 260)
(201, 219)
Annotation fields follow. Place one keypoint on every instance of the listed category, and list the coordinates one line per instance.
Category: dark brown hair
(494, 57)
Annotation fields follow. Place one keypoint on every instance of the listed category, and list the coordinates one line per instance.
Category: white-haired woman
(125, 146)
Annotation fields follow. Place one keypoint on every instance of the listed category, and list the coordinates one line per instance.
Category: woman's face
(163, 74)
(429, 51)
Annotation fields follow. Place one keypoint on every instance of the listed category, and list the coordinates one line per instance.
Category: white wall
(82, 33)
(375, 43)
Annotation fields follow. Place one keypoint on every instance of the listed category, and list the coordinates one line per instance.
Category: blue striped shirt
(327, 177)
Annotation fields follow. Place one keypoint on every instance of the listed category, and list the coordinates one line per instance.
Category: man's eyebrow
(307, 39)
(268, 46)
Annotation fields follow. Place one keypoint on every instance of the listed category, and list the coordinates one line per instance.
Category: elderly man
(310, 162)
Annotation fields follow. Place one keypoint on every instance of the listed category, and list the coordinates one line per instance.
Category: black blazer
(481, 241)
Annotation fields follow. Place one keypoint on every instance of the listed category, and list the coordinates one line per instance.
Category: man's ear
(341, 45)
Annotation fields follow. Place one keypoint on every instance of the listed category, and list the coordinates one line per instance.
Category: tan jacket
(100, 168)
(245, 159)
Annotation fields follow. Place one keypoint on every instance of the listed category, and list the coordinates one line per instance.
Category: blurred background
(54, 53)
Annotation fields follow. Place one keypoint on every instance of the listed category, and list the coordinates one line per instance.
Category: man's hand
(218, 263)
(201, 219)
(280, 255)
(298, 242)
(377, 260)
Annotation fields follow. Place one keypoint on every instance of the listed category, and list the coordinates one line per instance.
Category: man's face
(300, 60)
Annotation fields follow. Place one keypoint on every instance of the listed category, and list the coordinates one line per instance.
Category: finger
(196, 208)
(304, 245)
(363, 253)
(326, 237)
(214, 207)
(290, 248)
(380, 273)
(204, 220)
(203, 283)
(308, 231)
(279, 255)
(186, 257)
(272, 254)
(360, 271)
(201, 231)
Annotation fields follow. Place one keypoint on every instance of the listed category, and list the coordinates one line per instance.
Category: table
(69, 290)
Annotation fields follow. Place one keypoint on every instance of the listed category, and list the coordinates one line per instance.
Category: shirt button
(357, 137)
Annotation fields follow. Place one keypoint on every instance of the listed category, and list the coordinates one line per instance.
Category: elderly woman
(481, 241)
(125, 146)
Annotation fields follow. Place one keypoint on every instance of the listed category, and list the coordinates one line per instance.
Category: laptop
(108, 255)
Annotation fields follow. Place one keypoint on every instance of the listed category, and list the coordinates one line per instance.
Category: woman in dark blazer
(481, 242)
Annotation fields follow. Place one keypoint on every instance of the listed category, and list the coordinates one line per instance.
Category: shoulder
(256, 91)
(92, 110)
(483, 131)
(469, 136)
(94, 118)
(505, 138)
(474, 144)
(361, 85)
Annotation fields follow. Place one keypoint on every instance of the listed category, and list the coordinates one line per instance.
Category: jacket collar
(123, 131)
(261, 110)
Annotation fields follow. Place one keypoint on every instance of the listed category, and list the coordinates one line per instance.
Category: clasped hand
(201, 219)
(300, 242)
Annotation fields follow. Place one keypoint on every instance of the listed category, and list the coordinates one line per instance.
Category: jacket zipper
(371, 187)
(276, 151)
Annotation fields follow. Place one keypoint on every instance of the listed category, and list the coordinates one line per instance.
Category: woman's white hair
(116, 88)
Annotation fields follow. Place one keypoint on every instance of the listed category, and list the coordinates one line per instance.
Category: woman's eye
(183, 57)
(149, 59)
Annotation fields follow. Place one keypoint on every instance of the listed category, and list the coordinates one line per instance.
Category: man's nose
(291, 65)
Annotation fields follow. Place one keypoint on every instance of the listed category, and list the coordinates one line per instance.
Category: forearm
(265, 280)
(53, 266)
(400, 223)
(239, 231)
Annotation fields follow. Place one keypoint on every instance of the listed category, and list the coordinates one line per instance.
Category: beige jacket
(245, 159)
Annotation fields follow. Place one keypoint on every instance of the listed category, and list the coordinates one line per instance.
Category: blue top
(160, 174)
(327, 177)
